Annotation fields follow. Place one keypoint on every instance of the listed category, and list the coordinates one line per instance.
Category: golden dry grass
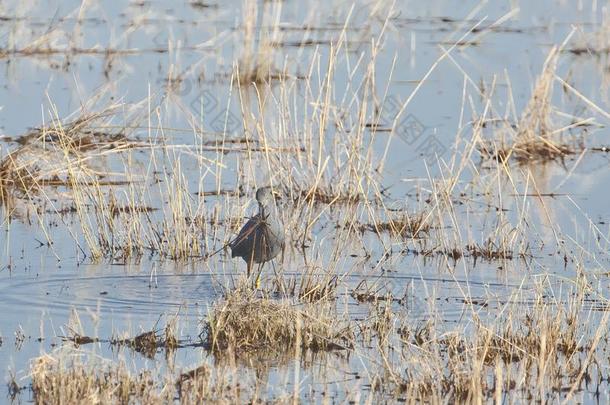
(531, 352)
(537, 138)
(67, 381)
(70, 379)
(243, 323)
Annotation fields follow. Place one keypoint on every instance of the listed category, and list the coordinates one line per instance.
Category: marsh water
(177, 60)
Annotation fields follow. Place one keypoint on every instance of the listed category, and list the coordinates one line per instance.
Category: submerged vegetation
(420, 266)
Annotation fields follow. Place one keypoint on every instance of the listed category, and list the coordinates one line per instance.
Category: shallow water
(41, 286)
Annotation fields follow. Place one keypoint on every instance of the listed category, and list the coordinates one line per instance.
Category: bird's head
(265, 196)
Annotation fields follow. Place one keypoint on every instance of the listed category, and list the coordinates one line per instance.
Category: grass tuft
(55, 381)
(245, 324)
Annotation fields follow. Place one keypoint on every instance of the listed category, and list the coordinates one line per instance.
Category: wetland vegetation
(442, 175)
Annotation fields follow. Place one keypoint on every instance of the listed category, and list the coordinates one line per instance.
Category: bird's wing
(244, 239)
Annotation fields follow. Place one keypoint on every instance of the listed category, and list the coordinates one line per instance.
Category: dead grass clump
(61, 379)
(542, 336)
(541, 150)
(55, 381)
(595, 43)
(257, 72)
(530, 151)
(364, 293)
(256, 61)
(17, 178)
(217, 385)
(55, 154)
(537, 138)
(79, 339)
(9, 180)
(246, 324)
(404, 226)
(535, 122)
(87, 132)
(489, 251)
(147, 343)
(320, 195)
(312, 287)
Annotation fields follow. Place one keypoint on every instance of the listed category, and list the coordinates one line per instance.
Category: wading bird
(262, 237)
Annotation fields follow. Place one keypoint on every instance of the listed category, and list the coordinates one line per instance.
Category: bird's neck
(264, 210)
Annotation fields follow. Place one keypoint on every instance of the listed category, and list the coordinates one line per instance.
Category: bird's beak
(276, 194)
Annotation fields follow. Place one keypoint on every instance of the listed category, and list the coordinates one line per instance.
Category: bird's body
(262, 238)
(258, 241)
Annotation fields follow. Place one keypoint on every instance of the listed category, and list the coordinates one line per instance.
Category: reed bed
(543, 353)
(131, 191)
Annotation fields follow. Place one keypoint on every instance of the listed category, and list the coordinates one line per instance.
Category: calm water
(42, 286)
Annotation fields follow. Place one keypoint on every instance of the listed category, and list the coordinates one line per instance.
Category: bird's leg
(279, 279)
(258, 276)
(263, 245)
